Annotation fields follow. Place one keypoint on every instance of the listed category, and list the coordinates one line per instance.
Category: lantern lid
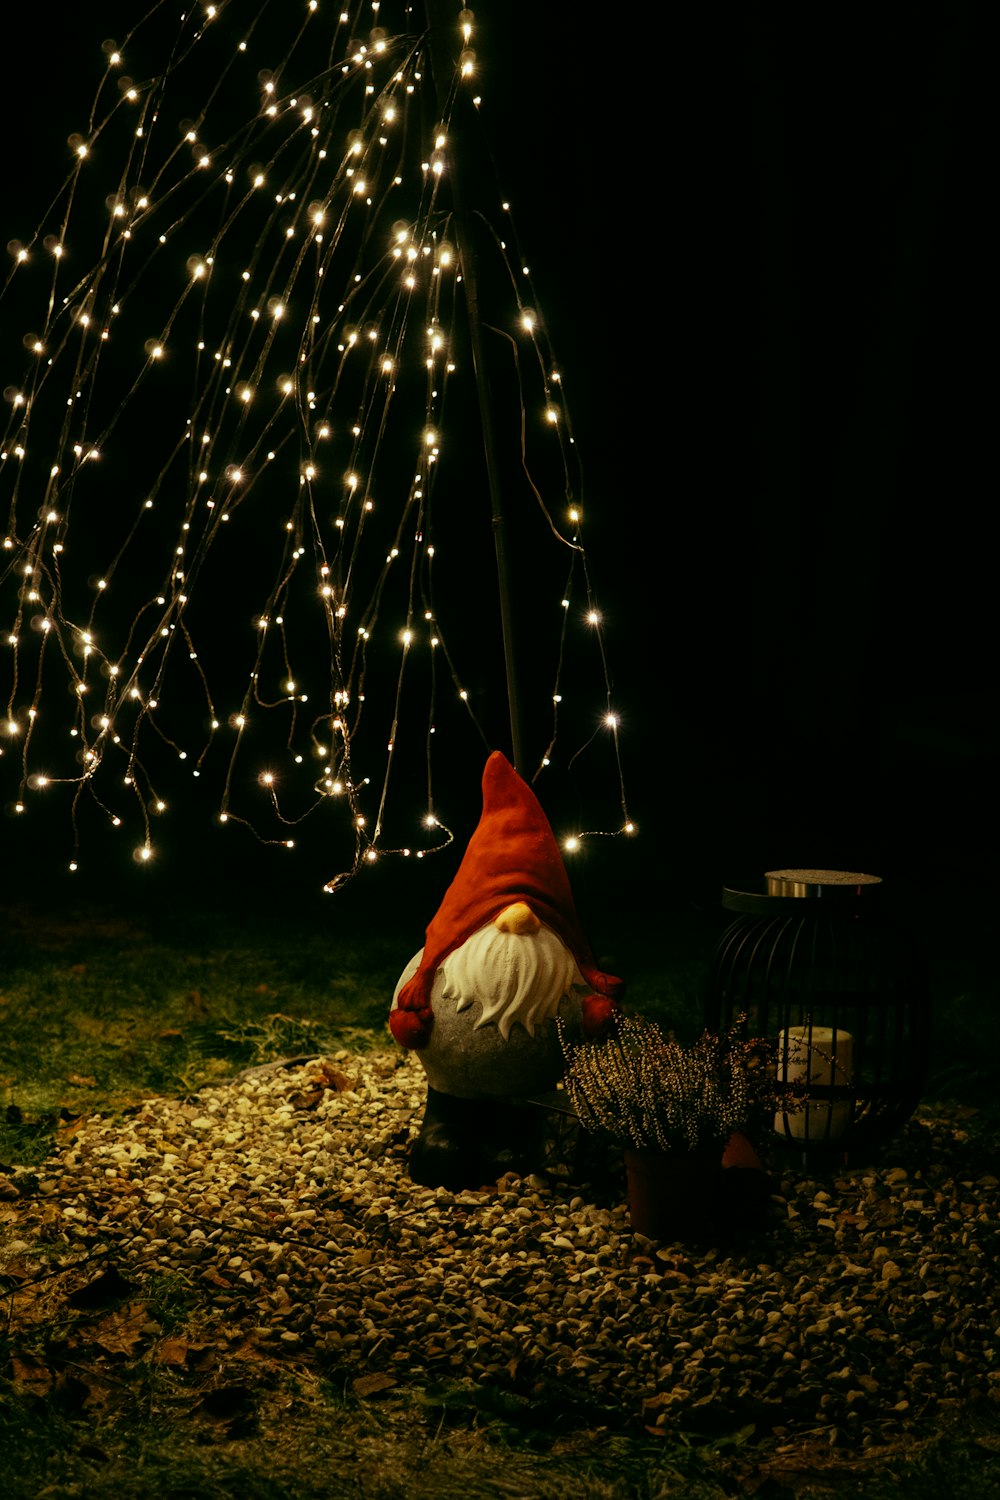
(782, 890)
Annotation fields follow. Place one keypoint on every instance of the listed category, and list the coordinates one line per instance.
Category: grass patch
(280, 1434)
(296, 1439)
(98, 1010)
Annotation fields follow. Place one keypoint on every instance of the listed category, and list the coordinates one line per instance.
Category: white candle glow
(815, 1055)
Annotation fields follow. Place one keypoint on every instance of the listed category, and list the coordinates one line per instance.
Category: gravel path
(871, 1303)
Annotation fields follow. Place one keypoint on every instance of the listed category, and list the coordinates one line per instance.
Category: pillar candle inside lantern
(815, 1055)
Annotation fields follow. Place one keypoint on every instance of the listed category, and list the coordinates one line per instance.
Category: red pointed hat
(512, 856)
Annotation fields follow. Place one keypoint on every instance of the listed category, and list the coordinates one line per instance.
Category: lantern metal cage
(838, 997)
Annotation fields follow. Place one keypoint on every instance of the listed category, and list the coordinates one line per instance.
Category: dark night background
(759, 235)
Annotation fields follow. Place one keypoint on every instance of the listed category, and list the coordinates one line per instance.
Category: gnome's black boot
(469, 1142)
(512, 1141)
(447, 1152)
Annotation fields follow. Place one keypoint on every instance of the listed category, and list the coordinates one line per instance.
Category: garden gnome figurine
(504, 956)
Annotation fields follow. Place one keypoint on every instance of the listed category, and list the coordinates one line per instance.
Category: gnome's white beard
(516, 977)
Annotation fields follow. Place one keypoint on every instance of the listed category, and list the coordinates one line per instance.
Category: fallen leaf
(110, 1286)
(307, 1101)
(31, 1373)
(204, 1358)
(652, 1406)
(19, 1268)
(231, 1409)
(118, 1333)
(245, 1348)
(334, 1079)
(227, 1401)
(170, 1351)
(372, 1385)
(88, 1390)
(122, 1187)
(72, 1393)
(210, 1274)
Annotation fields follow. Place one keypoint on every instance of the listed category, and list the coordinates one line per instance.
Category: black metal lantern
(839, 999)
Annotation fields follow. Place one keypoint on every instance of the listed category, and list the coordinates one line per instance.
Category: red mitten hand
(597, 1014)
(411, 1028)
(411, 1018)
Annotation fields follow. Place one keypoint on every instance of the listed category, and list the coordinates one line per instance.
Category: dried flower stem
(642, 1088)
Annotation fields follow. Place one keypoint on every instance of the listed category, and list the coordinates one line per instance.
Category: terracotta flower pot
(673, 1195)
(698, 1197)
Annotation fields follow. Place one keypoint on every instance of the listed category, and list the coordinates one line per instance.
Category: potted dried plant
(682, 1114)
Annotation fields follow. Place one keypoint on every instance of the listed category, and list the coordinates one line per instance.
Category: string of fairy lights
(235, 457)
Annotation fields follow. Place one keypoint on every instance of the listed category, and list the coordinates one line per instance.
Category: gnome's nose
(518, 918)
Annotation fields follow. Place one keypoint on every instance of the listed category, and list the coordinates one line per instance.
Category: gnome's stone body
(503, 958)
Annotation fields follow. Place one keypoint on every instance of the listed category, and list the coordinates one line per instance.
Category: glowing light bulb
(251, 426)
